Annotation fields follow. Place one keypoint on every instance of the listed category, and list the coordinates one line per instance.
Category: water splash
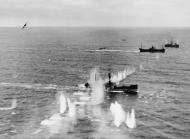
(63, 103)
(63, 119)
(130, 119)
(121, 75)
(53, 120)
(13, 105)
(72, 108)
(118, 113)
(120, 116)
(54, 123)
(97, 85)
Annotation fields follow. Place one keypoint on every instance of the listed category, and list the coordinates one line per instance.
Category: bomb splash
(63, 103)
(130, 119)
(97, 85)
(64, 119)
(121, 75)
(120, 116)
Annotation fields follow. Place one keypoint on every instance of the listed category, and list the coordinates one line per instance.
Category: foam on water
(13, 105)
(29, 85)
(56, 123)
(109, 50)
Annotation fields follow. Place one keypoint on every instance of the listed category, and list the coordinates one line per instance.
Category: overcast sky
(95, 12)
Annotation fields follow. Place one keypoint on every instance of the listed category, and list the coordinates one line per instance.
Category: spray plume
(97, 86)
(63, 103)
(64, 119)
(118, 113)
(72, 109)
(130, 119)
(121, 75)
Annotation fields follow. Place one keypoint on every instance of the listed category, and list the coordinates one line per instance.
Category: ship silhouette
(152, 50)
(172, 44)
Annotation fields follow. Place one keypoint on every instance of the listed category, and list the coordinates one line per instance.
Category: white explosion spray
(116, 78)
(97, 85)
(118, 113)
(63, 103)
(130, 119)
(64, 119)
(120, 116)
(72, 108)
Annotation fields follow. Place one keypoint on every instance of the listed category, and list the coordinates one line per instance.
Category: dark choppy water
(36, 61)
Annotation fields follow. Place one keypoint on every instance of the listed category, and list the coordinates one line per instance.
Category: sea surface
(37, 61)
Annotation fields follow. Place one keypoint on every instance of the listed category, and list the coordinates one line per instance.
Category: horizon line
(88, 26)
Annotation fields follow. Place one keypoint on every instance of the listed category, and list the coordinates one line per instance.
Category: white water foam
(13, 105)
(109, 50)
(54, 123)
(29, 85)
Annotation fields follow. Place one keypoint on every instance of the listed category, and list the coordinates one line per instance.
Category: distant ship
(23, 27)
(171, 44)
(102, 48)
(152, 50)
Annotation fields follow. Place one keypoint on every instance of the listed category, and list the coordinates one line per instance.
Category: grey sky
(95, 12)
